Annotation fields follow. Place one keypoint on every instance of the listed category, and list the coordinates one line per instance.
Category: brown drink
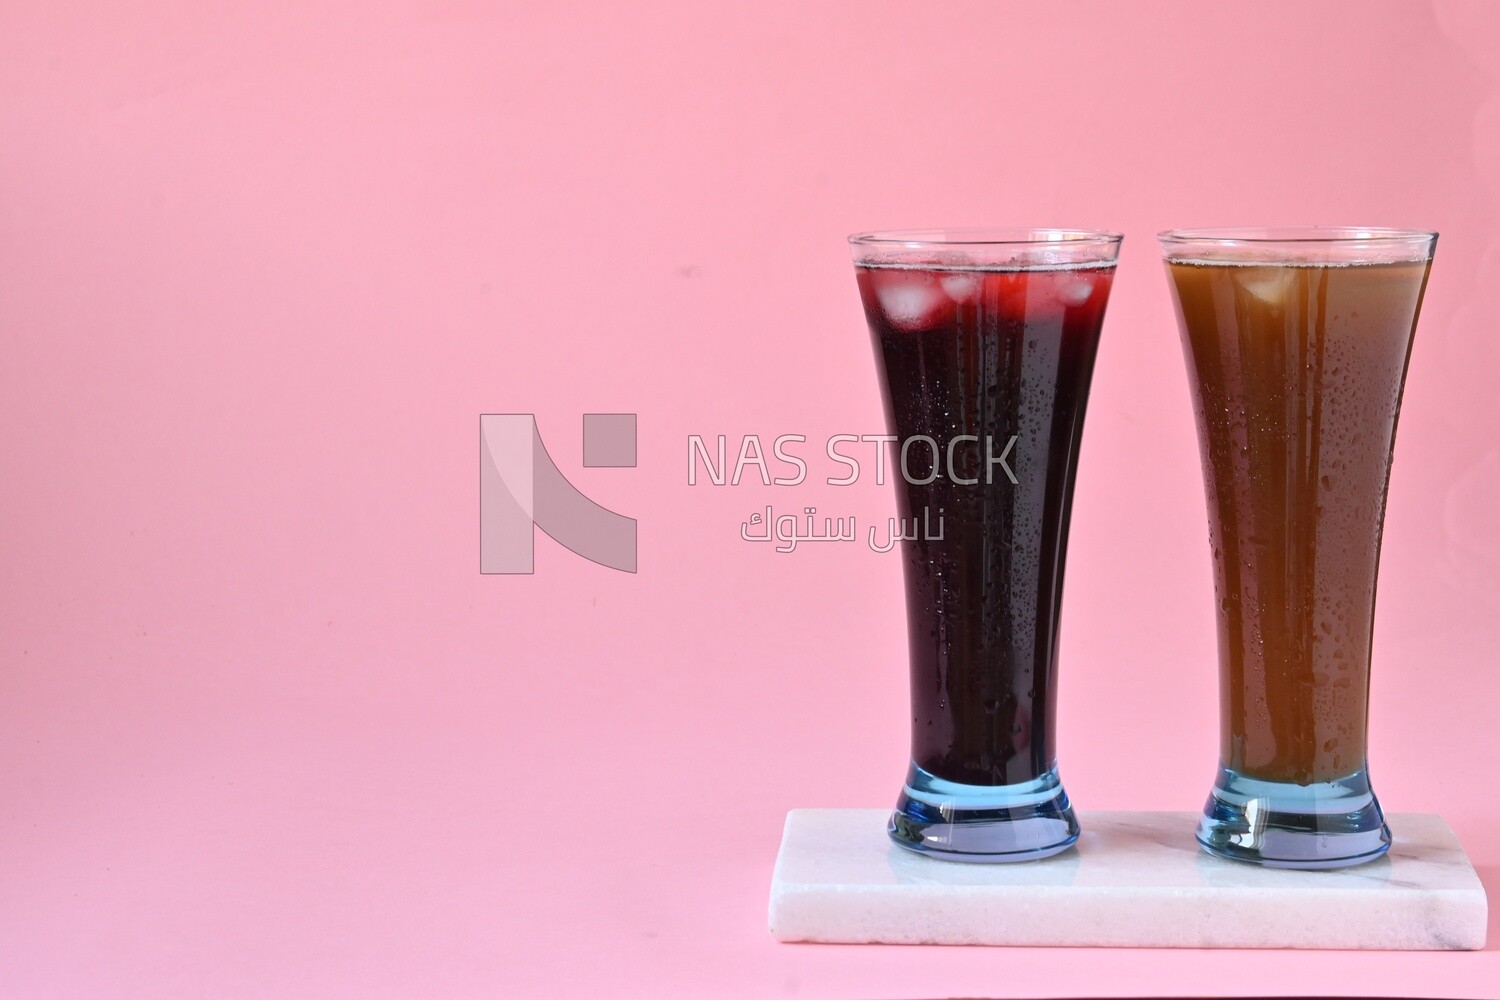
(1296, 353)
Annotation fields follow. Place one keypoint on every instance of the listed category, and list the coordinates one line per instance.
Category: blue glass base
(1332, 824)
(983, 823)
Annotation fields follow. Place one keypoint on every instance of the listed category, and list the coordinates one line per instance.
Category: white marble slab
(1135, 879)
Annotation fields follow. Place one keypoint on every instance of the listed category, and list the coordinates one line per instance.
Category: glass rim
(983, 236)
(1230, 236)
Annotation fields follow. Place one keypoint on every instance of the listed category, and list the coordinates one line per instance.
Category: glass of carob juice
(1297, 342)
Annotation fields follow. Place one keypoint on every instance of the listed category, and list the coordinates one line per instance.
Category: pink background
(265, 730)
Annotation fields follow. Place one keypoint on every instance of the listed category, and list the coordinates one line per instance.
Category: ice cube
(1268, 284)
(911, 300)
(1075, 290)
(962, 286)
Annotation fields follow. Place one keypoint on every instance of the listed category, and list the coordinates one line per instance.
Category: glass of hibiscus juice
(984, 343)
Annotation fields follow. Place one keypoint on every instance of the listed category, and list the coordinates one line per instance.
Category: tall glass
(1297, 343)
(985, 342)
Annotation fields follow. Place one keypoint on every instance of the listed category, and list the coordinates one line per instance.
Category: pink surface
(266, 730)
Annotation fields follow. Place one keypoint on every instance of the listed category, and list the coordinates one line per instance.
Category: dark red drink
(1009, 356)
(986, 374)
